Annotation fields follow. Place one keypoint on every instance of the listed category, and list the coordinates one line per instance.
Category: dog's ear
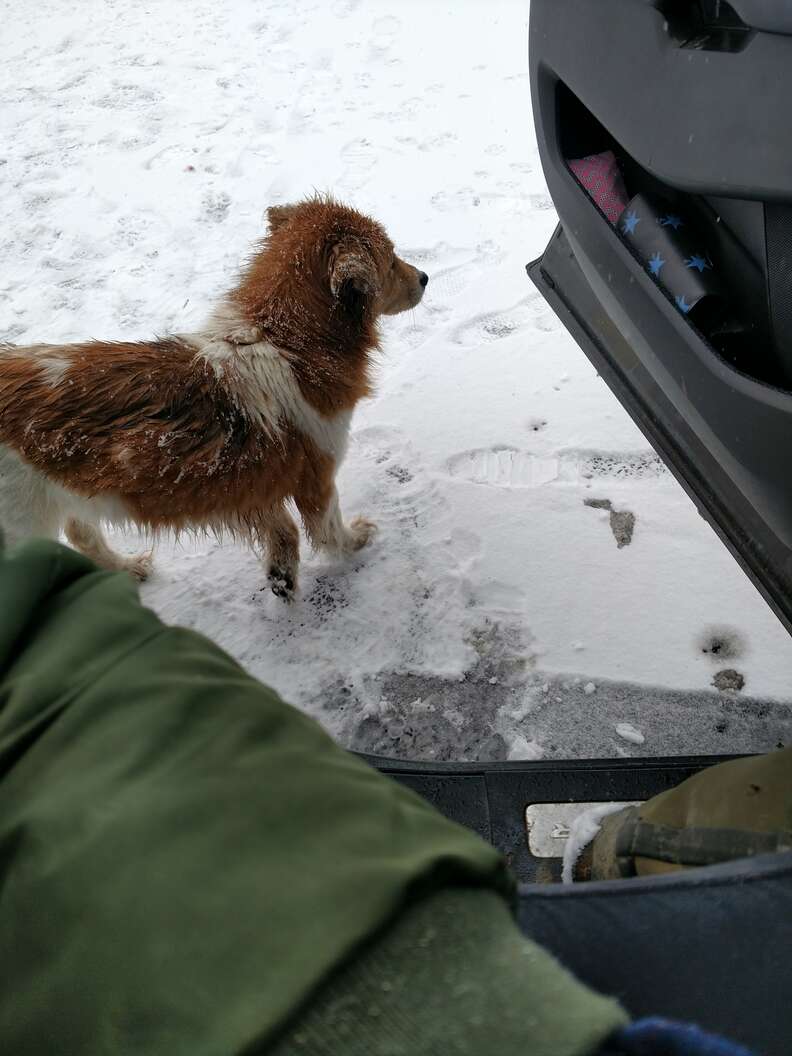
(353, 278)
(278, 215)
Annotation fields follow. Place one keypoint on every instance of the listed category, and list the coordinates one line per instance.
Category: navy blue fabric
(708, 946)
(675, 251)
(663, 1037)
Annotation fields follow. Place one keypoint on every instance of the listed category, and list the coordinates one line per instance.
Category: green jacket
(190, 866)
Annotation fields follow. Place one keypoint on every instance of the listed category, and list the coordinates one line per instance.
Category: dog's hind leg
(29, 505)
(327, 530)
(89, 540)
(278, 533)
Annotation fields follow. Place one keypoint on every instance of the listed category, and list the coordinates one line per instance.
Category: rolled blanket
(600, 177)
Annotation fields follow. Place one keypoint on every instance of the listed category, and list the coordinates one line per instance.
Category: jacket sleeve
(183, 857)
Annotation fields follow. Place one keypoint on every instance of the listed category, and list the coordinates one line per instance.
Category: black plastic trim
(733, 514)
(490, 798)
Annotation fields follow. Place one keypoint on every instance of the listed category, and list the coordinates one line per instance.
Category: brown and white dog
(216, 430)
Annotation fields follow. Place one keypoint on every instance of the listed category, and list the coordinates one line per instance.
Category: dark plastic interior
(735, 229)
(707, 25)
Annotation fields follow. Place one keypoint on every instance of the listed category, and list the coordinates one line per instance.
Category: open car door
(663, 130)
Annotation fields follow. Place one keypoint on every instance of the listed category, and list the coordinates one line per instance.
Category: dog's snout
(423, 278)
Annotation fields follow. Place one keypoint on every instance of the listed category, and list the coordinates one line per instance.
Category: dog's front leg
(327, 531)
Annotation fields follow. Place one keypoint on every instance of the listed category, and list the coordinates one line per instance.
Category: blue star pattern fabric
(699, 262)
(631, 221)
(673, 249)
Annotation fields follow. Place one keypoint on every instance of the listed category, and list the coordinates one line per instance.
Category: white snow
(140, 147)
(630, 733)
(581, 832)
(521, 748)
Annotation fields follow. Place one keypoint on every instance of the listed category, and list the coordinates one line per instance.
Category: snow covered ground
(496, 615)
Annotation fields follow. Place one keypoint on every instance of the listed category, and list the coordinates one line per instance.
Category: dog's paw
(283, 582)
(140, 566)
(361, 531)
(244, 334)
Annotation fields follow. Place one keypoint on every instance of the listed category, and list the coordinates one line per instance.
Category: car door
(663, 130)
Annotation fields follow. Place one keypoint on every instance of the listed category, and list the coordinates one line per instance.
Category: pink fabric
(602, 180)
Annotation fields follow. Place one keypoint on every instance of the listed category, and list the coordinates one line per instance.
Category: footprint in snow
(445, 201)
(503, 465)
(216, 206)
(127, 97)
(451, 281)
(439, 141)
(387, 26)
(493, 326)
(359, 153)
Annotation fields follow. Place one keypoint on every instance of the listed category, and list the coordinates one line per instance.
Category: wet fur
(217, 430)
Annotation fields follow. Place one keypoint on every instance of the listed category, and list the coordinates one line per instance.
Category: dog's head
(347, 255)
